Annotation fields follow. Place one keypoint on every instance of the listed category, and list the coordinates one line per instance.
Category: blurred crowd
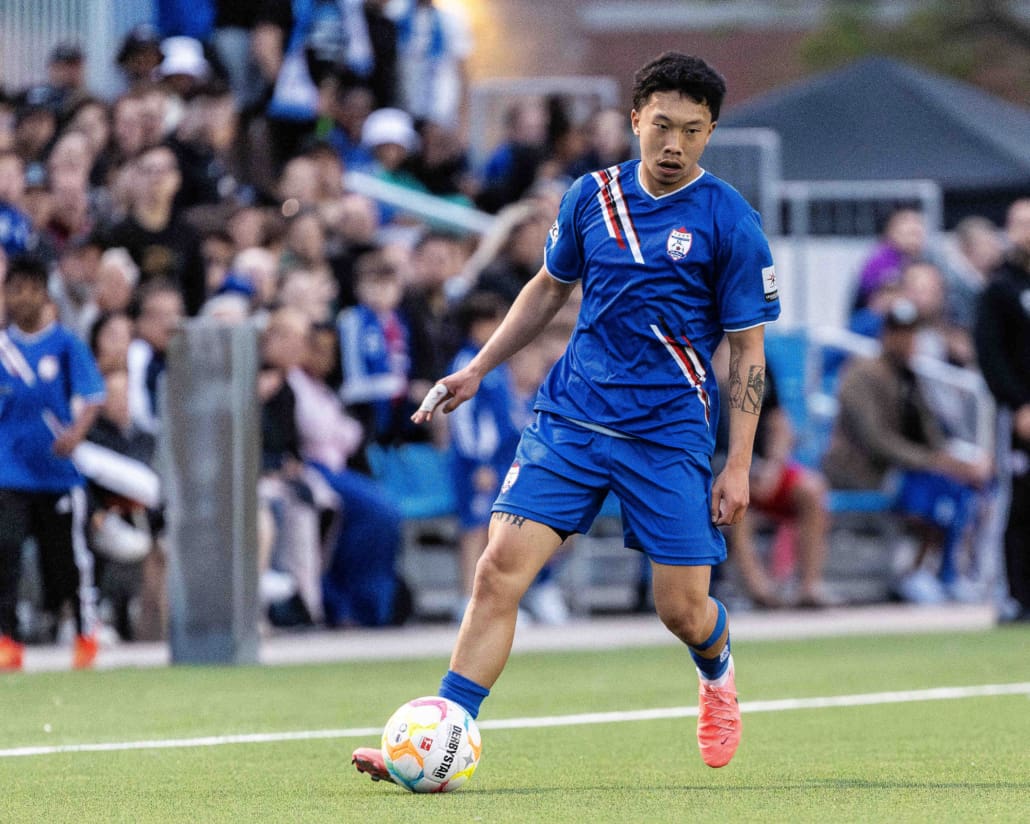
(213, 185)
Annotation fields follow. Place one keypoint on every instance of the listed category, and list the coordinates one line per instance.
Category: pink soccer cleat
(369, 760)
(718, 721)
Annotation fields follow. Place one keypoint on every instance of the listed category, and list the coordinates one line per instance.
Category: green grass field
(965, 759)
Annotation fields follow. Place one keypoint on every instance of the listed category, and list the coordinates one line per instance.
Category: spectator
(350, 105)
(375, 343)
(50, 394)
(609, 143)
(109, 340)
(980, 252)
(35, 122)
(885, 428)
(16, 233)
(66, 75)
(1003, 346)
(91, 117)
(291, 537)
(433, 48)
(360, 585)
(483, 437)
(159, 314)
(512, 167)
(785, 491)
(116, 280)
(309, 290)
(520, 257)
(427, 303)
(140, 55)
(121, 530)
(161, 243)
(903, 240)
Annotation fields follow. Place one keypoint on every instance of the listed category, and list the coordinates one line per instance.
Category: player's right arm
(537, 303)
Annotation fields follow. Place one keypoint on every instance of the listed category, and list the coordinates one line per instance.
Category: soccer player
(43, 369)
(670, 259)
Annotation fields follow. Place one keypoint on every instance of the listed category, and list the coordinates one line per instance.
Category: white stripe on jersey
(14, 361)
(613, 207)
(690, 365)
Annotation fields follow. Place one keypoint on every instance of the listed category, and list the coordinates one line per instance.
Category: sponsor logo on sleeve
(769, 283)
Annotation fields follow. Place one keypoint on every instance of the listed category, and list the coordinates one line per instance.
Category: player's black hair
(683, 73)
(27, 267)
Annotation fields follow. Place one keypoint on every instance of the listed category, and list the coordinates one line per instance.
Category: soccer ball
(431, 745)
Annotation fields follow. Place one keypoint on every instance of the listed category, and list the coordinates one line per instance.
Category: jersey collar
(643, 188)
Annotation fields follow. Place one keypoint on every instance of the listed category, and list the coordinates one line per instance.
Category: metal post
(210, 447)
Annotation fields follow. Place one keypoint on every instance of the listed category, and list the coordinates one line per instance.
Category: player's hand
(434, 397)
(449, 393)
(730, 496)
(65, 443)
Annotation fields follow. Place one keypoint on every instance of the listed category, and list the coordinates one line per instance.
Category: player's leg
(516, 551)
(666, 513)
(59, 522)
(14, 526)
(682, 602)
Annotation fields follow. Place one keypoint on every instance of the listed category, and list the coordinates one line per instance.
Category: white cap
(389, 126)
(183, 55)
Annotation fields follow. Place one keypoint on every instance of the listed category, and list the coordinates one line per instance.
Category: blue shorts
(562, 473)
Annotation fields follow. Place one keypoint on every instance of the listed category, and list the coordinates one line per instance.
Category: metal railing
(960, 396)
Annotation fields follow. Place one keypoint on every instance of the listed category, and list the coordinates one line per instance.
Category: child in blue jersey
(483, 436)
(43, 369)
(670, 259)
(375, 350)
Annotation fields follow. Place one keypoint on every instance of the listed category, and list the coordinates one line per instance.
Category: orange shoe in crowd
(85, 651)
(718, 720)
(12, 654)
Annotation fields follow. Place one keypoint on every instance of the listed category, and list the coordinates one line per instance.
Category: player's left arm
(731, 492)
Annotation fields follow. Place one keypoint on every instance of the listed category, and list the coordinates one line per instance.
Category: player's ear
(634, 119)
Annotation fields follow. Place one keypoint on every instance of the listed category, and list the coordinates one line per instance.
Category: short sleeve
(86, 380)
(746, 287)
(563, 251)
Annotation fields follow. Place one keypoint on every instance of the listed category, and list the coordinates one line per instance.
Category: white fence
(29, 29)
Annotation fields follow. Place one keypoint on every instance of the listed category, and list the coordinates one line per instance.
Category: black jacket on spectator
(172, 253)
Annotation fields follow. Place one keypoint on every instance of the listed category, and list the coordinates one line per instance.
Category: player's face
(673, 131)
(25, 300)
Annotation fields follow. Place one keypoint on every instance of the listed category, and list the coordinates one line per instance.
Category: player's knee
(687, 620)
(496, 580)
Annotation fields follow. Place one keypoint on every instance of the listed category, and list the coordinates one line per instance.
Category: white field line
(747, 707)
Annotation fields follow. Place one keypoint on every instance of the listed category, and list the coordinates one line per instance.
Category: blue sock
(463, 692)
(713, 668)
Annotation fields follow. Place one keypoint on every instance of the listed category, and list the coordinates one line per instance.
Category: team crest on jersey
(678, 243)
(48, 368)
(553, 233)
(510, 478)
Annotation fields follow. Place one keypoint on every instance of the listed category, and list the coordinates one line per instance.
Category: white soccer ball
(431, 745)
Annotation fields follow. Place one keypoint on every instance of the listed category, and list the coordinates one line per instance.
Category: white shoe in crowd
(546, 604)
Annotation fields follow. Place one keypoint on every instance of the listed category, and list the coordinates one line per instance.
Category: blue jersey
(40, 374)
(663, 278)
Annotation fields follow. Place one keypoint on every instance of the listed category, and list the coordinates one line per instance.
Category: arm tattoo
(508, 517)
(746, 397)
